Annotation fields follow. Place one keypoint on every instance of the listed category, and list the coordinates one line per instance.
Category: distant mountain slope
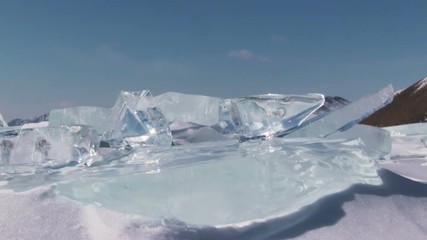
(408, 106)
(20, 122)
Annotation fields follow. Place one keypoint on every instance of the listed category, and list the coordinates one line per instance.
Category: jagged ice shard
(2, 122)
(48, 147)
(133, 120)
(244, 159)
(138, 121)
(179, 107)
(97, 117)
(266, 115)
(347, 116)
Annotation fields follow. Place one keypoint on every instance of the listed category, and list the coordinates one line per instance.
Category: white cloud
(242, 54)
(246, 54)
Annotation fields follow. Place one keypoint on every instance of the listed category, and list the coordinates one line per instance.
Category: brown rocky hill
(408, 106)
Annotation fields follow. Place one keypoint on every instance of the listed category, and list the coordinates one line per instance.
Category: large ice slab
(179, 107)
(413, 129)
(376, 140)
(410, 141)
(185, 133)
(266, 115)
(347, 116)
(48, 146)
(97, 117)
(408, 155)
(133, 120)
(136, 119)
(228, 183)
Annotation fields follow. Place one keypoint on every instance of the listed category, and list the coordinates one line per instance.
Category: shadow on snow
(325, 212)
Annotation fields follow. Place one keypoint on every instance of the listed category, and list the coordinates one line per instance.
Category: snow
(399, 91)
(386, 213)
(421, 84)
(35, 125)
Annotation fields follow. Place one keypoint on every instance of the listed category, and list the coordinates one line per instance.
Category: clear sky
(66, 53)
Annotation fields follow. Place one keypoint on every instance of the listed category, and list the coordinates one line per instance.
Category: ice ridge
(159, 156)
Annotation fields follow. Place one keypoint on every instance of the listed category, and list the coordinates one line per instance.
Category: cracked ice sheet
(255, 181)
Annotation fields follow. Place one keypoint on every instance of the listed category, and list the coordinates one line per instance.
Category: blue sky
(66, 53)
